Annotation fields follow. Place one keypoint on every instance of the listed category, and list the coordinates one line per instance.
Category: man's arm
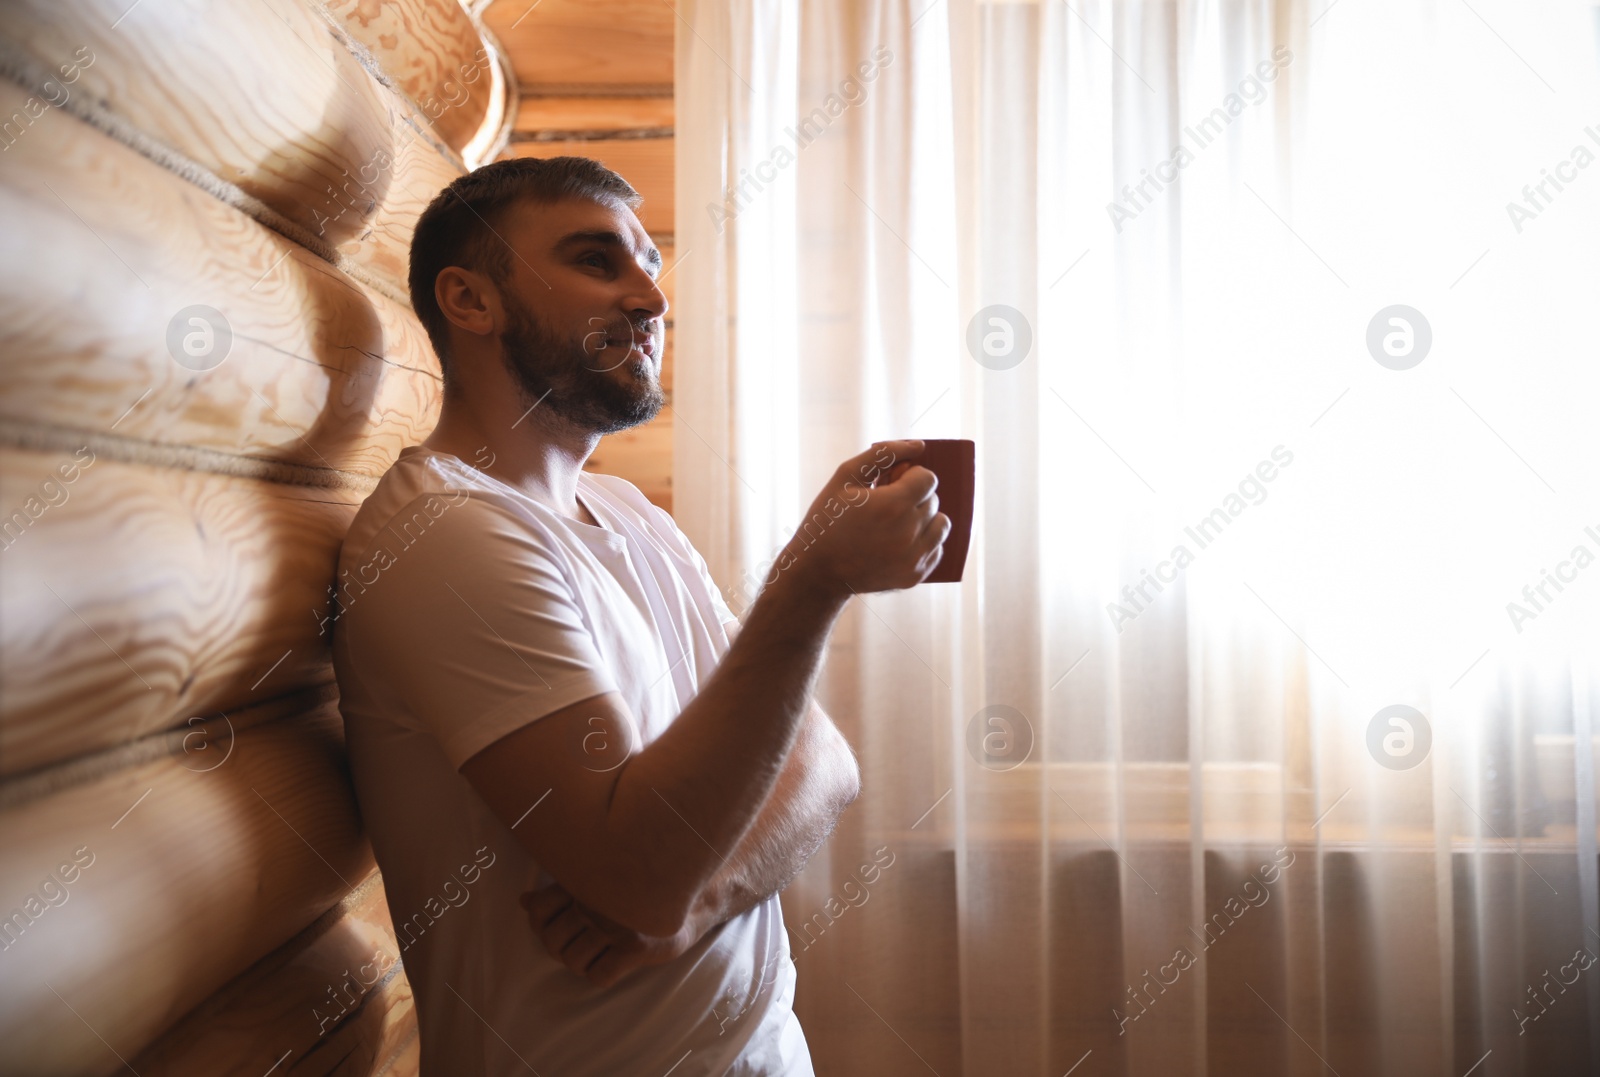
(638, 836)
(819, 780)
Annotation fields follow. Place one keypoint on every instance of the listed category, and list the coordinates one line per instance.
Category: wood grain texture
(191, 875)
(333, 999)
(261, 95)
(563, 42)
(646, 163)
(321, 371)
(668, 280)
(433, 53)
(643, 456)
(138, 597)
(554, 115)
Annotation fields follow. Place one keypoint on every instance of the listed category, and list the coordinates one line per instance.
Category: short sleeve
(472, 628)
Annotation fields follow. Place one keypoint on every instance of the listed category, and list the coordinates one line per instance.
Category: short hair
(461, 226)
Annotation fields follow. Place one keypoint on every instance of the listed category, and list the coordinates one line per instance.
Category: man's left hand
(600, 950)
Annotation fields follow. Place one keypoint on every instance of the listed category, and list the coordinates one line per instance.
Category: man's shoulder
(630, 496)
(419, 481)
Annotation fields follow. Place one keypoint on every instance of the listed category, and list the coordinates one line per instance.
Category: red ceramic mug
(954, 461)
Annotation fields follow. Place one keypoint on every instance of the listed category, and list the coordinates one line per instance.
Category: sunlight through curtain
(1259, 737)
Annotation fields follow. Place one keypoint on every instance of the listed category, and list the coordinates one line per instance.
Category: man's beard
(560, 377)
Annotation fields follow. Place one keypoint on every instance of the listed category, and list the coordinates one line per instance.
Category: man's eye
(597, 259)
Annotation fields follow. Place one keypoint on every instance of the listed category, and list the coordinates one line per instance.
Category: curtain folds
(1259, 737)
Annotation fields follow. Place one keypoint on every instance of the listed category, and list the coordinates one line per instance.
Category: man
(585, 784)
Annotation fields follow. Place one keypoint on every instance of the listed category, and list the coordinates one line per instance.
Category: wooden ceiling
(595, 80)
(587, 46)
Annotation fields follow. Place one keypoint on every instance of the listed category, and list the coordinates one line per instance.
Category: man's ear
(467, 299)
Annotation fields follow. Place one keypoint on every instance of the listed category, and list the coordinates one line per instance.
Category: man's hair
(463, 226)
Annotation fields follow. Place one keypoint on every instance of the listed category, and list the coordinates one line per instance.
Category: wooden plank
(264, 97)
(555, 115)
(646, 163)
(183, 878)
(669, 284)
(642, 455)
(321, 371)
(562, 42)
(137, 597)
(434, 54)
(406, 1062)
(333, 999)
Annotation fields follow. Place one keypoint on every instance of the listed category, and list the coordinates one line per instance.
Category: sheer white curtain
(1259, 737)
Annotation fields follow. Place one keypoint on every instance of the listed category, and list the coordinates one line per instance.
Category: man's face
(583, 314)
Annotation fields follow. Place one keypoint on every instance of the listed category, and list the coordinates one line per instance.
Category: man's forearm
(819, 780)
(679, 806)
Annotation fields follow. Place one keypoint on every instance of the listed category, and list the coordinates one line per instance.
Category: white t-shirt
(467, 610)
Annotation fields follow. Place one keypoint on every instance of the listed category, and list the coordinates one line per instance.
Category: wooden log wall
(207, 359)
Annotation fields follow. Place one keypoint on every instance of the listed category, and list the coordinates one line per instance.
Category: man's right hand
(876, 525)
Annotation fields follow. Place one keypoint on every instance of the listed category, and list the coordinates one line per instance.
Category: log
(556, 44)
(321, 371)
(668, 281)
(549, 117)
(434, 54)
(333, 999)
(646, 163)
(137, 597)
(260, 103)
(643, 455)
(175, 879)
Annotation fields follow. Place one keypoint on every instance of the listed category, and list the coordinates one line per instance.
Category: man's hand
(600, 950)
(819, 780)
(876, 525)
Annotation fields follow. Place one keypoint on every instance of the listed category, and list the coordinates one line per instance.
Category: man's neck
(518, 449)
